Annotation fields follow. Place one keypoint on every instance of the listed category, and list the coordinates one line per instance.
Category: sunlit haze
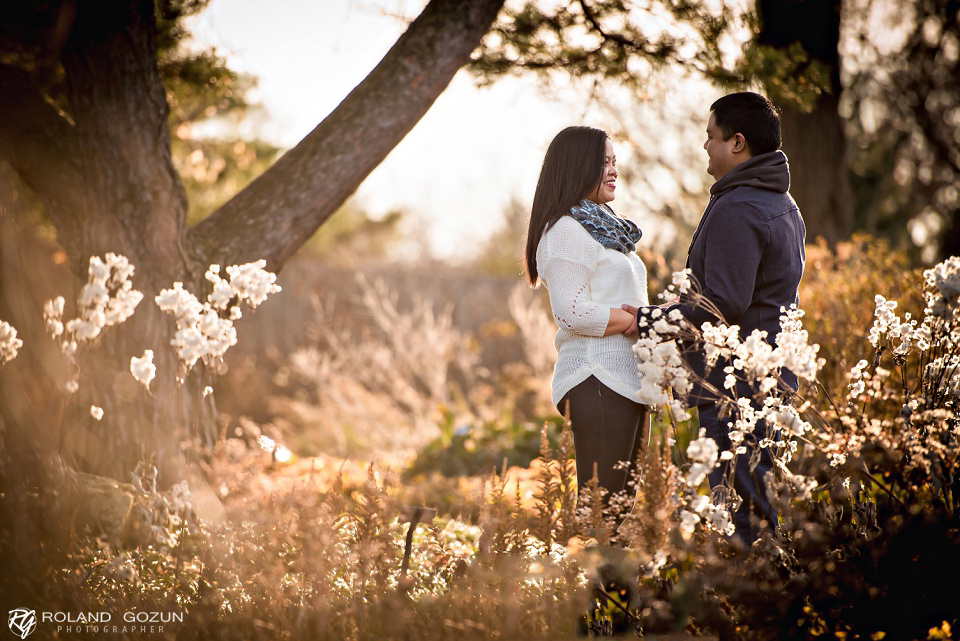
(459, 167)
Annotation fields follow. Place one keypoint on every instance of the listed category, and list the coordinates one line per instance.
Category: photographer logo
(22, 622)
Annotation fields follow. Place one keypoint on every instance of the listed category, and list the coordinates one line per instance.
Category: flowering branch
(108, 298)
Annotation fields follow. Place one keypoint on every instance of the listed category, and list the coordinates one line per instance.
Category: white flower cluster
(887, 324)
(201, 333)
(857, 384)
(703, 453)
(250, 282)
(946, 370)
(9, 343)
(719, 340)
(179, 498)
(785, 417)
(702, 510)
(108, 298)
(943, 288)
(758, 360)
(205, 331)
(661, 366)
(794, 351)
(752, 359)
(681, 282)
(143, 368)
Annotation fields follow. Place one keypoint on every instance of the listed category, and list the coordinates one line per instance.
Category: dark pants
(750, 486)
(607, 429)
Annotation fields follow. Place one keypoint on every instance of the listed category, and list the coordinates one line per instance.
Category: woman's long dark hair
(571, 169)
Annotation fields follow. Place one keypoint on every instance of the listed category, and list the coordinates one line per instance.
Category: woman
(585, 256)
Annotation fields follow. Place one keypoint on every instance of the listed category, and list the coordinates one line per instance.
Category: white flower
(719, 341)
(252, 282)
(205, 331)
(681, 280)
(96, 412)
(678, 410)
(9, 343)
(943, 285)
(688, 523)
(143, 368)
(207, 391)
(94, 293)
(703, 450)
(98, 270)
(787, 417)
(106, 299)
(53, 315)
(72, 386)
(700, 503)
(857, 385)
(721, 522)
(223, 292)
(82, 330)
(660, 367)
(696, 474)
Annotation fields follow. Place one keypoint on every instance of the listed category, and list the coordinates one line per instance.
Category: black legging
(606, 430)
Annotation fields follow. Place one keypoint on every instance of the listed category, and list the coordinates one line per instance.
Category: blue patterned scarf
(609, 230)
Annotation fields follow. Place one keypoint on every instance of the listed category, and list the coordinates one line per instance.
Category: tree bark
(102, 171)
(814, 142)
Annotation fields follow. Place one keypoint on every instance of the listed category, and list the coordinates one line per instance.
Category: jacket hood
(767, 171)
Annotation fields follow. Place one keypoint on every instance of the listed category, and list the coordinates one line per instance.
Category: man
(747, 254)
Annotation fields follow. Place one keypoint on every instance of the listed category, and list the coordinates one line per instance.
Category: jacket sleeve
(566, 262)
(735, 241)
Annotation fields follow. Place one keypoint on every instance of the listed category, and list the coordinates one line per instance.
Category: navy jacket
(747, 254)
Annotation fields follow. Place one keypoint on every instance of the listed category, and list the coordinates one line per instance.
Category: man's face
(723, 155)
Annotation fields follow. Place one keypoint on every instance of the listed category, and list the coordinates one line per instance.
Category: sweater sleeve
(566, 262)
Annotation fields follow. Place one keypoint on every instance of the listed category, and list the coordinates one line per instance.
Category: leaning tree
(84, 126)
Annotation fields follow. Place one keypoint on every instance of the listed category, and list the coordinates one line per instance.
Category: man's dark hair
(751, 115)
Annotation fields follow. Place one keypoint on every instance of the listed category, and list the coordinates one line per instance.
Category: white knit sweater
(584, 280)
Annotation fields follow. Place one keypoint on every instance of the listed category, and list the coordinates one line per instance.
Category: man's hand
(632, 330)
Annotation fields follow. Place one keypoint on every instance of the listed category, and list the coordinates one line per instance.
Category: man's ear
(740, 144)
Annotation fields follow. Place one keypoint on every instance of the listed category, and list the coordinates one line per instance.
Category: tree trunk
(103, 175)
(814, 142)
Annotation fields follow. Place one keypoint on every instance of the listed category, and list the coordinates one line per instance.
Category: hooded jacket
(747, 255)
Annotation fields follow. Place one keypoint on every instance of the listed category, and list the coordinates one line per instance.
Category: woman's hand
(622, 321)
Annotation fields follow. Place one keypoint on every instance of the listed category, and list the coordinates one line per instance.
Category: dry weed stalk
(648, 526)
(555, 510)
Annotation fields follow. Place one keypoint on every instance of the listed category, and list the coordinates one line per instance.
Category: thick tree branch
(278, 212)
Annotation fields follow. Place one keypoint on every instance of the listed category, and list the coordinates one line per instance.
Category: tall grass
(254, 548)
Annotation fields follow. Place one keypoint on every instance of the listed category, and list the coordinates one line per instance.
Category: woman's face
(605, 189)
